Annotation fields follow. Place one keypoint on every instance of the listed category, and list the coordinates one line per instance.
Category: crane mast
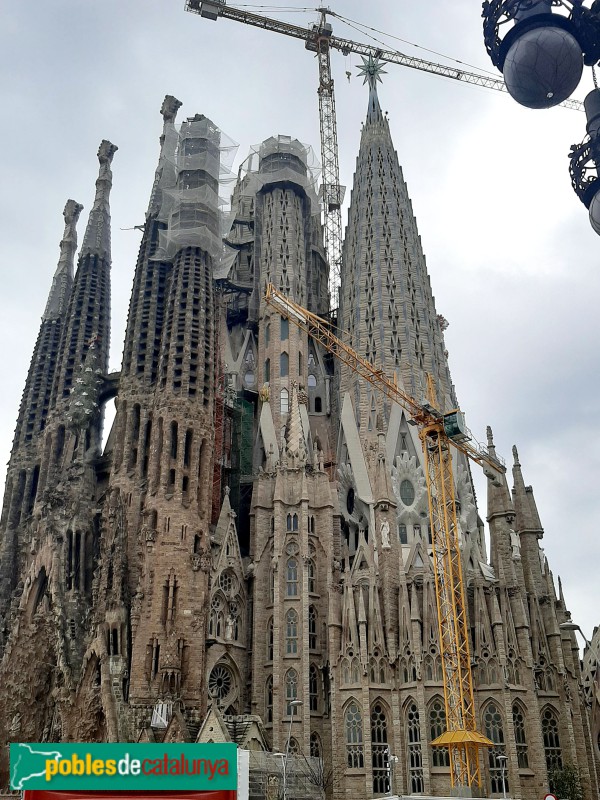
(461, 737)
(332, 192)
(319, 39)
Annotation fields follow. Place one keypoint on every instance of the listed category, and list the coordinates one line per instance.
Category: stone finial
(490, 436)
(63, 277)
(97, 234)
(515, 453)
(71, 214)
(106, 151)
(170, 107)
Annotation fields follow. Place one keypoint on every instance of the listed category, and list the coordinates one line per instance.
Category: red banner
(40, 795)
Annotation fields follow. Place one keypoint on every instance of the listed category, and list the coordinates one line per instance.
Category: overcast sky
(513, 261)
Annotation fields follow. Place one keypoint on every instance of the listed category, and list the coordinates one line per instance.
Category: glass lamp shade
(543, 67)
(595, 213)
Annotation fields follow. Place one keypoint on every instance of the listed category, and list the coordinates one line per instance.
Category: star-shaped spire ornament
(371, 70)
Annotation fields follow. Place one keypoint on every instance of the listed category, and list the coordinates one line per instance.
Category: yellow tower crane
(437, 431)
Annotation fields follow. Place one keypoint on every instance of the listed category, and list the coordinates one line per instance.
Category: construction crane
(319, 39)
(437, 431)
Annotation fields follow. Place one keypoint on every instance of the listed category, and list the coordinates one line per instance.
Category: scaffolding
(193, 191)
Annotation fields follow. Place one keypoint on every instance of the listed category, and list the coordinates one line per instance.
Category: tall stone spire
(529, 529)
(97, 235)
(63, 277)
(38, 387)
(147, 307)
(386, 304)
(23, 477)
(88, 314)
(294, 434)
(164, 176)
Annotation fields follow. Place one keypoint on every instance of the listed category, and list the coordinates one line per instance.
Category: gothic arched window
(415, 757)
(272, 585)
(310, 568)
(291, 690)
(291, 632)
(269, 699)
(379, 750)
(270, 640)
(216, 621)
(437, 726)
(520, 736)
(284, 405)
(313, 687)
(354, 736)
(552, 748)
(312, 628)
(494, 730)
(291, 577)
(284, 365)
(315, 745)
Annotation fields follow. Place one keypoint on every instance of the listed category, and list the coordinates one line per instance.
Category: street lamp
(541, 46)
(391, 761)
(589, 667)
(573, 626)
(293, 705)
(503, 759)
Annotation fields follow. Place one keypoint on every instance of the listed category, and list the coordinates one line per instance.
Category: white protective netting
(281, 159)
(192, 195)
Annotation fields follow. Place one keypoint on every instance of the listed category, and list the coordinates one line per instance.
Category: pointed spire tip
(515, 453)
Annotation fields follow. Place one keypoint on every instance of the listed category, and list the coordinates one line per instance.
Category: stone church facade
(248, 556)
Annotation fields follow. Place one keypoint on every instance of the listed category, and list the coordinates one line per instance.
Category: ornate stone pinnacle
(106, 151)
(490, 436)
(72, 212)
(516, 455)
(170, 107)
(371, 70)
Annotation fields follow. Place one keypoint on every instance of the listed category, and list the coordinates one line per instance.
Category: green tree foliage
(566, 783)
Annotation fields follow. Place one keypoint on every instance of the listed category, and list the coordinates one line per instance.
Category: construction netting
(193, 188)
(280, 159)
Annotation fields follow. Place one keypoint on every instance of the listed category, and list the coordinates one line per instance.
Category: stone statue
(385, 535)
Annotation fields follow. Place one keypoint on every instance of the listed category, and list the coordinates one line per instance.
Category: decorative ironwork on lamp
(585, 161)
(541, 46)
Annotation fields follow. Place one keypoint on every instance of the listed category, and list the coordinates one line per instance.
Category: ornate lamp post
(541, 46)
(503, 760)
(583, 168)
(392, 761)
